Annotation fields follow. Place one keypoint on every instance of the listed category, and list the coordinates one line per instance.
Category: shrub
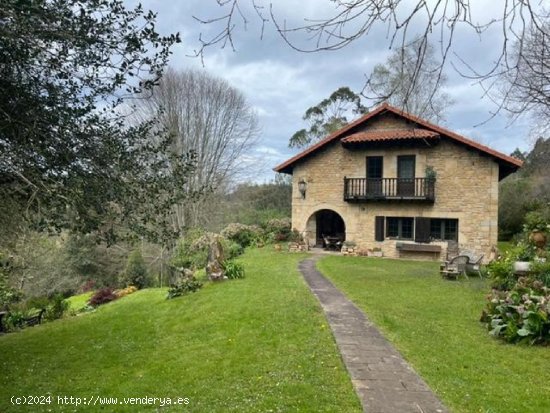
(540, 271)
(102, 296)
(186, 286)
(125, 291)
(89, 285)
(233, 270)
(295, 236)
(56, 308)
(244, 235)
(231, 249)
(278, 229)
(523, 251)
(14, 319)
(521, 314)
(501, 273)
(8, 295)
(136, 271)
(192, 250)
(535, 221)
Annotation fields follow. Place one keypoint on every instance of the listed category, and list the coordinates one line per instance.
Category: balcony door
(406, 165)
(375, 170)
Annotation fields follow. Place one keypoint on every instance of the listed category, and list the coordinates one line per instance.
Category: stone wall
(466, 189)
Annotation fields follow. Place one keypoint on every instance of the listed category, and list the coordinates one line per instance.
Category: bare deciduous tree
(525, 83)
(208, 117)
(518, 22)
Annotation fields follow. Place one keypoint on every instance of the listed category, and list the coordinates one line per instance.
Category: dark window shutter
(379, 228)
(422, 230)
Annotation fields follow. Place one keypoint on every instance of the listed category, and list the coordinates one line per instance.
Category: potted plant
(536, 226)
(375, 252)
(522, 254)
(431, 174)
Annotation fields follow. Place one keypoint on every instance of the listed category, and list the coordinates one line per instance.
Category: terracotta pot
(538, 238)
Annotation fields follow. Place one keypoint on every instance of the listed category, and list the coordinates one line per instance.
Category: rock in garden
(214, 268)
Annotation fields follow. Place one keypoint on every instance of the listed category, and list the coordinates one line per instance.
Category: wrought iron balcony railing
(387, 189)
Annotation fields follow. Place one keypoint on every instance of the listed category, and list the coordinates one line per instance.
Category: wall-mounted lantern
(302, 187)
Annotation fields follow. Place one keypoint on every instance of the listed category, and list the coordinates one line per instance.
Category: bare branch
(353, 20)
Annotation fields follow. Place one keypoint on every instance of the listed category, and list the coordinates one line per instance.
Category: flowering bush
(242, 234)
(521, 314)
(192, 250)
(125, 291)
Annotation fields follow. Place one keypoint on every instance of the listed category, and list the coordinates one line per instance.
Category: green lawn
(434, 323)
(260, 344)
(505, 246)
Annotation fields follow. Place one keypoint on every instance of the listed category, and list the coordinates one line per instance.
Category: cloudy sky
(281, 83)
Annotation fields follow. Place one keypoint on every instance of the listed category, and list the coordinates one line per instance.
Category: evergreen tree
(67, 158)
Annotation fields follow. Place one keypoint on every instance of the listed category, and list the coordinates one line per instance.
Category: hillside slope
(257, 344)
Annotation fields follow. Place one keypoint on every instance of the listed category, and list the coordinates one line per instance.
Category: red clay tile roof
(377, 135)
(509, 162)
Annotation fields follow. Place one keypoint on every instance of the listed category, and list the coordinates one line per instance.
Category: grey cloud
(282, 83)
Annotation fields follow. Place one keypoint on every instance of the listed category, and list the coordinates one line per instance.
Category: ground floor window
(400, 228)
(421, 229)
(444, 229)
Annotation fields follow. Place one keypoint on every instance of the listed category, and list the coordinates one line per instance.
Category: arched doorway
(326, 222)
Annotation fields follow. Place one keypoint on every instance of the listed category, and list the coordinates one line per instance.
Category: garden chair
(330, 244)
(454, 267)
(474, 265)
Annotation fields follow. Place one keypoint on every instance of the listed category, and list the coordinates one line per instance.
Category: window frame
(443, 229)
(377, 159)
(400, 227)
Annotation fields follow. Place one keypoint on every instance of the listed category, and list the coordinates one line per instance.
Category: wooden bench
(27, 321)
(35, 319)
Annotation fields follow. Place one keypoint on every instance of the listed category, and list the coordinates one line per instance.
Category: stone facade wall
(466, 189)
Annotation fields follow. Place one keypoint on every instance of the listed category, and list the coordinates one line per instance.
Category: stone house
(395, 183)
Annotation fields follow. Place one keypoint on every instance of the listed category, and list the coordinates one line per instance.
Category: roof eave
(505, 161)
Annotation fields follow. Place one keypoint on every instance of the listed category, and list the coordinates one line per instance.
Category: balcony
(389, 189)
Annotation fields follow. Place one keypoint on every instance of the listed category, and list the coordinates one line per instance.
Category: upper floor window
(406, 165)
(375, 167)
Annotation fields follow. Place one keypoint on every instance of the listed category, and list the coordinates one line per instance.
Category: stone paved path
(383, 380)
